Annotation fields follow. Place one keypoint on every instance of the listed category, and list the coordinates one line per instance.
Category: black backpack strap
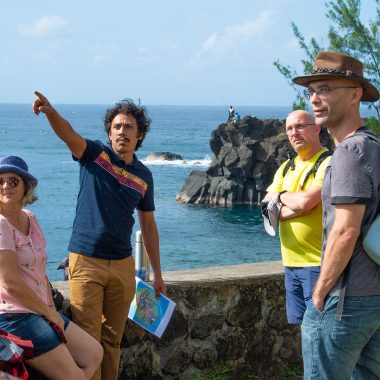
(289, 165)
(369, 135)
(316, 166)
(376, 139)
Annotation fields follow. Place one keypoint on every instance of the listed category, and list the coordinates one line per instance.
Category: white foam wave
(206, 162)
(185, 163)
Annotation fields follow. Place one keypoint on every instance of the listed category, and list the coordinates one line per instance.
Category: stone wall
(231, 316)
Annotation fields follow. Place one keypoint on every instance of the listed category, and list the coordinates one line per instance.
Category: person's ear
(357, 94)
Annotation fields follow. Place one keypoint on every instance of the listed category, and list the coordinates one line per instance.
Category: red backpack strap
(25, 345)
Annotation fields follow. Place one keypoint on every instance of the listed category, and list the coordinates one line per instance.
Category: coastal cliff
(246, 157)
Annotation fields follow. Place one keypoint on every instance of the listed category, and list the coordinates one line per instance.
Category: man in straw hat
(340, 340)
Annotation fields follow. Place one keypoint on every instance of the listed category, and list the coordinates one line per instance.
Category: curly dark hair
(128, 107)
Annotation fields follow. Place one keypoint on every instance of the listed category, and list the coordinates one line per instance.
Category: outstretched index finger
(39, 95)
(41, 104)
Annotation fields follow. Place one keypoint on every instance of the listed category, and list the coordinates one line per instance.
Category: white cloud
(98, 61)
(146, 54)
(250, 28)
(162, 51)
(236, 34)
(45, 26)
(210, 42)
(142, 50)
(98, 55)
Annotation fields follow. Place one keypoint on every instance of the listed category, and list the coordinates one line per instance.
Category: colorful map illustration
(150, 313)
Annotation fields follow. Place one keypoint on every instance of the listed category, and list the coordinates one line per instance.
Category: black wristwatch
(279, 195)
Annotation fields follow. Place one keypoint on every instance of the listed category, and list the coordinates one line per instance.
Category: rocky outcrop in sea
(163, 156)
(246, 157)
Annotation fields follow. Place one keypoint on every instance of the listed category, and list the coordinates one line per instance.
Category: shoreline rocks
(163, 156)
(246, 157)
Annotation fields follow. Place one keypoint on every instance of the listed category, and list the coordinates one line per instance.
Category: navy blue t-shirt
(109, 192)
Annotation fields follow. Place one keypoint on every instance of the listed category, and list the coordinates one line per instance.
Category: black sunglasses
(11, 181)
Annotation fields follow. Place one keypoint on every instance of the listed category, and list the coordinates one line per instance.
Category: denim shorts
(299, 285)
(34, 327)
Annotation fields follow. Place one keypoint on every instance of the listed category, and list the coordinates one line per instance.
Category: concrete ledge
(228, 272)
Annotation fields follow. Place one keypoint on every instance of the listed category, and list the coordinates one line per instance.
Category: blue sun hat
(14, 164)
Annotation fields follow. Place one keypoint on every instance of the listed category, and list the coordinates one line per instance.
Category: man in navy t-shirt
(113, 183)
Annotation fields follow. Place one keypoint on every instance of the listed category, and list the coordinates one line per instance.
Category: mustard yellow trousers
(101, 292)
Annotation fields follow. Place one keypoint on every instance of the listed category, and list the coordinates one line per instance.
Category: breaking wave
(205, 162)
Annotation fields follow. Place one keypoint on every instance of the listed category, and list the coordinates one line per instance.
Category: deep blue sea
(191, 236)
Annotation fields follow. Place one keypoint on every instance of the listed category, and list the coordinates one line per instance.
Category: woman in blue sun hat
(61, 349)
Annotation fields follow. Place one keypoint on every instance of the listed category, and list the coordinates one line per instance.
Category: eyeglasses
(296, 127)
(11, 181)
(323, 92)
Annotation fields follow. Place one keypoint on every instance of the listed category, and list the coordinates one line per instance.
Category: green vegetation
(373, 124)
(219, 372)
(347, 34)
(222, 371)
(293, 372)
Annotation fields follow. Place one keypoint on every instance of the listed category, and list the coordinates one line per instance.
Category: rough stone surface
(205, 357)
(237, 322)
(231, 316)
(246, 156)
(203, 325)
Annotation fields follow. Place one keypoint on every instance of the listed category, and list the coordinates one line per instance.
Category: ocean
(191, 236)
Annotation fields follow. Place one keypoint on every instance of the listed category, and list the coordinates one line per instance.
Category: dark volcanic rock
(246, 156)
(167, 156)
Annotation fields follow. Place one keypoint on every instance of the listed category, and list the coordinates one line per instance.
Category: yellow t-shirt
(301, 237)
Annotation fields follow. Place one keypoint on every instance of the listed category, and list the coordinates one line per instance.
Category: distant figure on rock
(297, 186)
(231, 114)
(237, 117)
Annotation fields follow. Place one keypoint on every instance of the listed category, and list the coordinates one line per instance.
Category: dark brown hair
(128, 107)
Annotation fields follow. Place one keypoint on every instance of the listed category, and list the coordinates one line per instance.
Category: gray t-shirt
(353, 177)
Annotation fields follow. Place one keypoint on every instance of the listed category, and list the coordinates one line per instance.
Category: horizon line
(148, 105)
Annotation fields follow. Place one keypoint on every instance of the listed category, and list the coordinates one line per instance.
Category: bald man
(297, 185)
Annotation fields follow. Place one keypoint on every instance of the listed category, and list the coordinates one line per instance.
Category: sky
(164, 52)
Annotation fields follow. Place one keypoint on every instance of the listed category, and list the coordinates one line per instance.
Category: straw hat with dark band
(328, 65)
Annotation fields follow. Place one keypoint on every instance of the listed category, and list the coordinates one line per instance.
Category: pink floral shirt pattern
(31, 258)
